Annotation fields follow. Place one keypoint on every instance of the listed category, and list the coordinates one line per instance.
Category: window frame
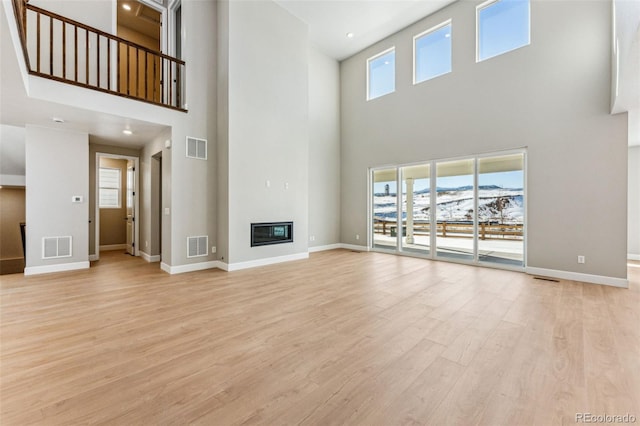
(373, 58)
(487, 4)
(448, 22)
(101, 187)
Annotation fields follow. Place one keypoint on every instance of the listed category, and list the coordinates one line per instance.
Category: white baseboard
(93, 257)
(324, 248)
(354, 247)
(633, 256)
(149, 258)
(113, 247)
(230, 267)
(576, 276)
(61, 267)
(180, 269)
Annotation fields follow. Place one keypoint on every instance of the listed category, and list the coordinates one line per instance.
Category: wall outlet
(146, 244)
(581, 259)
(357, 236)
(267, 183)
(167, 211)
(286, 185)
(312, 238)
(213, 249)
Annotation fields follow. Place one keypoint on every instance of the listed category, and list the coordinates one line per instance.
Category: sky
(507, 180)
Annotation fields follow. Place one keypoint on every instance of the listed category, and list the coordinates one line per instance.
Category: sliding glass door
(470, 210)
(416, 208)
(501, 210)
(454, 209)
(385, 209)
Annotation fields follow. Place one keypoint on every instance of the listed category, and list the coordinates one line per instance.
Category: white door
(130, 208)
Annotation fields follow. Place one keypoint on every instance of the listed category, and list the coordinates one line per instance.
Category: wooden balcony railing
(61, 49)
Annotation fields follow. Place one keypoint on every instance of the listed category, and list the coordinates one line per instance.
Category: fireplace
(263, 234)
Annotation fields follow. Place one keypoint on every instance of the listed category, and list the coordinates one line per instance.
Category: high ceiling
(369, 21)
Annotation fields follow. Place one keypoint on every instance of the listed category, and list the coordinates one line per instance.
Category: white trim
(631, 256)
(112, 247)
(61, 267)
(577, 276)
(325, 248)
(264, 262)
(354, 247)
(93, 257)
(484, 6)
(424, 34)
(149, 258)
(376, 56)
(180, 269)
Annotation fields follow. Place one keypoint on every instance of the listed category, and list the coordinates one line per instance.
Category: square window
(502, 26)
(381, 74)
(109, 188)
(432, 53)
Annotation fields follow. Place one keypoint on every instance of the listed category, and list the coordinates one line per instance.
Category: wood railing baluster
(168, 96)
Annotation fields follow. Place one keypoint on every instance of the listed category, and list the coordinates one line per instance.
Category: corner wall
(552, 97)
(633, 241)
(268, 133)
(50, 211)
(324, 150)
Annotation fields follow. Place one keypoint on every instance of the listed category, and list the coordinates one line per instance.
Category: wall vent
(197, 246)
(55, 247)
(196, 148)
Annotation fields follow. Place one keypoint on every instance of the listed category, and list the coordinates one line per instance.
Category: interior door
(130, 207)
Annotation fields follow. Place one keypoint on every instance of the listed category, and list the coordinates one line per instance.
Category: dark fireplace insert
(263, 234)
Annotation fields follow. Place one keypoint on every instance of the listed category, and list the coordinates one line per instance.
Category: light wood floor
(343, 338)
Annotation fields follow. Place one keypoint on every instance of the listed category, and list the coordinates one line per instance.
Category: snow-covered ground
(494, 204)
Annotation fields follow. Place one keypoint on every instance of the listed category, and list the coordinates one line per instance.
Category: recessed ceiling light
(57, 120)
(126, 7)
(350, 35)
(127, 132)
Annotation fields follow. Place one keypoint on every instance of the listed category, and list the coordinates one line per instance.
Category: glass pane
(385, 209)
(454, 214)
(501, 210)
(382, 75)
(502, 26)
(416, 206)
(433, 54)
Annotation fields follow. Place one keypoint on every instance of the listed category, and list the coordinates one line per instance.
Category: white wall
(12, 155)
(633, 240)
(552, 97)
(268, 134)
(57, 169)
(324, 149)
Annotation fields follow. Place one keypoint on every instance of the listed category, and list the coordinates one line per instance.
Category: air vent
(197, 246)
(55, 247)
(196, 148)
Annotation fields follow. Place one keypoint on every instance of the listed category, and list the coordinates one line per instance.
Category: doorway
(139, 72)
(117, 204)
(154, 246)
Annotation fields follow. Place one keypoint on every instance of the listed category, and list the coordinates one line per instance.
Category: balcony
(61, 49)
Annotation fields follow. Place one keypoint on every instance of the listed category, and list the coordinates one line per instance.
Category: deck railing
(486, 231)
(61, 49)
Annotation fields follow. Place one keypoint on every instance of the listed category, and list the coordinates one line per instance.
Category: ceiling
(369, 21)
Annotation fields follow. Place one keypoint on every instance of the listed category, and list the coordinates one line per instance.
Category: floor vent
(196, 148)
(546, 279)
(197, 246)
(55, 247)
